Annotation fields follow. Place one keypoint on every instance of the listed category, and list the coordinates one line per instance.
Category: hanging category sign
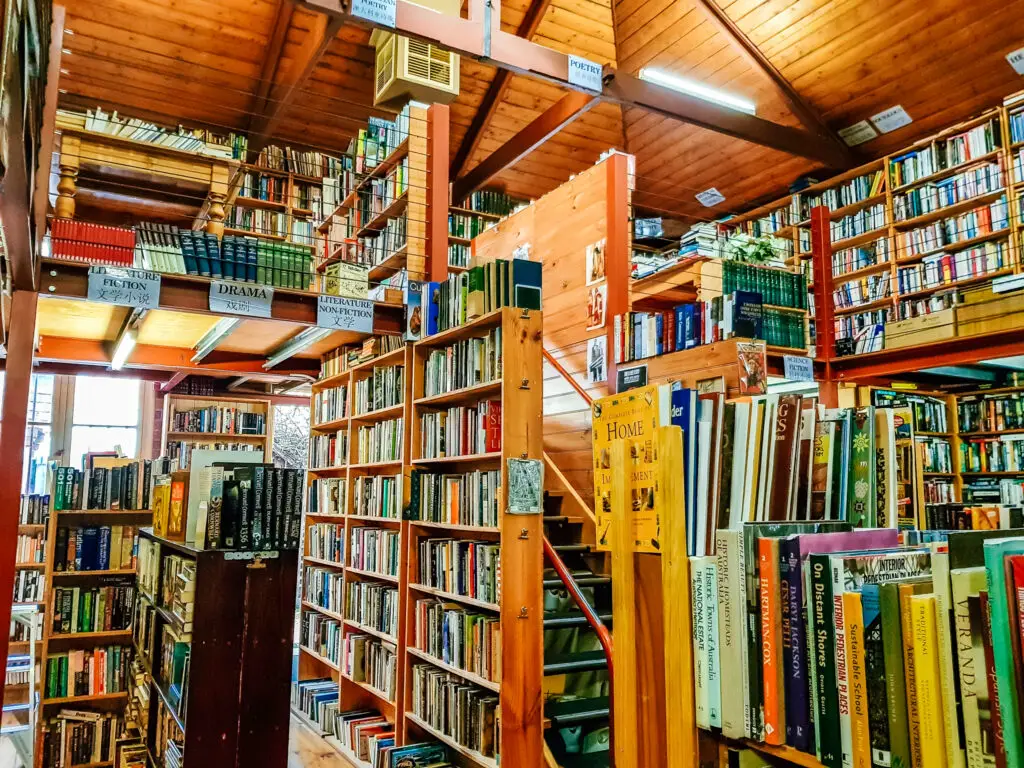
(797, 368)
(230, 298)
(343, 314)
(377, 11)
(584, 73)
(124, 286)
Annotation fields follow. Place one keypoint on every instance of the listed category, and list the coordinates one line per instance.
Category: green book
(1003, 635)
(862, 495)
(895, 675)
(262, 259)
(475, 300)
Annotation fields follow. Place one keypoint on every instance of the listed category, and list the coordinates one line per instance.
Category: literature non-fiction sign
(1016, 59)
(630, 378)
(891, 119)
(585, 73)
(124, 286)
(230, 298)
(376, 11)
(342, 314)
(798, 368)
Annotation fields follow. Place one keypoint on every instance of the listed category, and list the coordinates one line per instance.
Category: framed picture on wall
(596, 303)
(597, 359)
(595, 262)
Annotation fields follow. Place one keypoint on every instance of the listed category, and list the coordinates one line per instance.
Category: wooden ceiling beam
(495, 93)
(281, 95)
(550, 122)
(473, 37)
(271, 61)
(798, 105)
(174, 381)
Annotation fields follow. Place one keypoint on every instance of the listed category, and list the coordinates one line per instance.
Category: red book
(771, 641)
(493, 431)
(993, 688)
(1014, 565)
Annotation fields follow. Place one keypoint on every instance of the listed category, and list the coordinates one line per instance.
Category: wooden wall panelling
(416, 211)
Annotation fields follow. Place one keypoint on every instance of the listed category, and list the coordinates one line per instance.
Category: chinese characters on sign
(229, 298)
(124, 286)
(342, 314)
(378, 11)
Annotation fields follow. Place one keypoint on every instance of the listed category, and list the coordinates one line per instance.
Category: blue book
(103, 560)
(1004, 634)
(87, 557)
(747, 315)
(680, 340)
(188, 251)
(689, 340)
(251, 258)
(413, 310)
(638, 337)
(659, 333)
(213, 254)
(526, 284)
(202, 258)
(431, 307)
(684, 415)
(227, 249)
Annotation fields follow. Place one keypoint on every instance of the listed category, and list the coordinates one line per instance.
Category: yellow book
(925, 640)
(909, 671)
(856, 675)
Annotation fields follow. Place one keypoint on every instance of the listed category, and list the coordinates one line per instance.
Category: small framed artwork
(597, 300)
(595, 262)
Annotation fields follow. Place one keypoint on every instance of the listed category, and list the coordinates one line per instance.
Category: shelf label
(233, 555)
(798, 368)
(124, 286)
(709, 198)
(1016, 59)
(343, 314)
(630, 378)
(584, 73)
(891, 119)
(376, 11)
(230, 298)
(858, 133)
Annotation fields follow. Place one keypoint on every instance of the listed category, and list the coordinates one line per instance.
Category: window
(107, 416)
(38, 431)
(291, 436)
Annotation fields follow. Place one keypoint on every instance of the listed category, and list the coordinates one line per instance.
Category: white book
(753, 457)
(714, 670)
(741, 427)
(700, 651)
(966, 583)
(768, 441)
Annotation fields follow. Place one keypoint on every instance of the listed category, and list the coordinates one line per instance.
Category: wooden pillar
(821, 250)
(17, 382)
(624, 703)
(67, 186)
(616, 251)
(681, 747)
(218, 196)
(437, 192)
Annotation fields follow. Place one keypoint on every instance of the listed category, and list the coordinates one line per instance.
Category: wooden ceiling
(228, 64)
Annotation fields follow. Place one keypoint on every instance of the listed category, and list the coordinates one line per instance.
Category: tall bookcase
(512, 545)
(273, 204)
(210, 433)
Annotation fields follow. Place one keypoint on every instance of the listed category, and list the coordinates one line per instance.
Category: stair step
(588, 661)
(588, 760)
(562, 520)
(584, 580)
(567, 620)
(575, 711)
(572, 549)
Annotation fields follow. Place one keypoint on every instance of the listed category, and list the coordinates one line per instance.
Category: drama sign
(228, 298)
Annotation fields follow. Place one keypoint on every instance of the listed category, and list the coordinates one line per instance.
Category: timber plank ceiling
(202, 62)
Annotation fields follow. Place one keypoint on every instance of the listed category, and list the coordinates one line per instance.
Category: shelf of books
(215, 422)
(477, 213)
(420, 428)
(90, 597)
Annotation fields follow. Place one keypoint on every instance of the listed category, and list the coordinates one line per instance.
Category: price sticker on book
(230, 298)
(124, 286)
(376, 11)
(798, 368)
(343, 314)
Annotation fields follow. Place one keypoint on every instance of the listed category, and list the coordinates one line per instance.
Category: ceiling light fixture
(125, 345)
(701, 91)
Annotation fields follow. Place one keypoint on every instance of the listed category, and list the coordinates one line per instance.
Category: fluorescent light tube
(701, 91)
(125, 345)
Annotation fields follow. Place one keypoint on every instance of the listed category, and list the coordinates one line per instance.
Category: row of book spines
(87, 673)
(95, 548)
(34, 509)
(92, 610)
(776, 286)
(260, 512)
(133, 487)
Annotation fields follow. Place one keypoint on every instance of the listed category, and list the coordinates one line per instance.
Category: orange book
(853, 618)
(771, 642)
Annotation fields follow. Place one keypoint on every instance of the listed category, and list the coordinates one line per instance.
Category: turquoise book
(1002, 636)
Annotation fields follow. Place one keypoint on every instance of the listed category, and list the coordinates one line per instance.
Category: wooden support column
(437, 192)
(625, 703)
(67, 186)
(824, 315)
(617, 261)
(17, 382)
(218, 195)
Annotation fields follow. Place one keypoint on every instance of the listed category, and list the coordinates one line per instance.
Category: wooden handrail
(603, 635)
(567, 376)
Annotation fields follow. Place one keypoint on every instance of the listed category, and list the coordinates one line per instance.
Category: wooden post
(821, 249)
(67, 186)
(217, 197)
(681, 727)
(17, 384)
(437, 193)
(616, 252)
(624, 712)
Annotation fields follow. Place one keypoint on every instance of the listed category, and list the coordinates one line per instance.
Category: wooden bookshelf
(177, 403)
(286, 205)
(240, 657)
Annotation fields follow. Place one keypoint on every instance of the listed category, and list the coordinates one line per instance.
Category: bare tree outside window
(291, 436)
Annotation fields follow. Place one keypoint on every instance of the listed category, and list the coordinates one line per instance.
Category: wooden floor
(308, 750)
